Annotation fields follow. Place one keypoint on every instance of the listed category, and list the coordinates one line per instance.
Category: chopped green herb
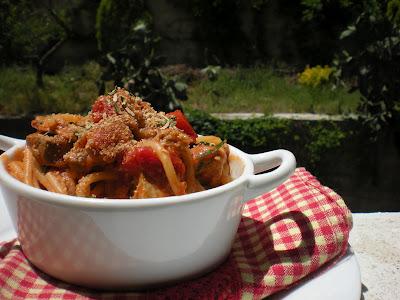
(123, 102)
(168, 122)
(212, 151)
(204, 163)
(113, 91)
(172, 122)
(162, 123)
(116, 108)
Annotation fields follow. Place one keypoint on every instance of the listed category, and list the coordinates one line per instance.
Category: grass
(73, 90)
(260, 90)
(235, 90)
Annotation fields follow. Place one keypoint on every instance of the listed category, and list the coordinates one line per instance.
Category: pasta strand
(28, 166)
(83, 187)
(16, 169)
(43, 180)
(55, 183)
(177, 187)
(193, 185)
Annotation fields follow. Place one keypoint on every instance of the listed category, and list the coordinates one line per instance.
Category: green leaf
(180, 86)
(364, 70)
(111, 59)
(349, 31)
(348, 59)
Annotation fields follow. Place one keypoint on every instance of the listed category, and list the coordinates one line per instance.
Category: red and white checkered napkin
(283, 236)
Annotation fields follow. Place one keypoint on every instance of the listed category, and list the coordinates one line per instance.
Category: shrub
(310, 141)
(129, 58)
(136, 67)
(323, 137)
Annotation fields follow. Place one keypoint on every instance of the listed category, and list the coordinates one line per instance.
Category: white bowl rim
(108, 203)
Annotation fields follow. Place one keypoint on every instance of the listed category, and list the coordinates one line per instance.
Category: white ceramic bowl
(135, 244)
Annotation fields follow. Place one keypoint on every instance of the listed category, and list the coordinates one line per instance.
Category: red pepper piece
(144, 159)
(183, 124)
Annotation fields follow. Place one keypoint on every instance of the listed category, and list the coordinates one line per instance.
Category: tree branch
(51, 50)
(58, 20)
(42, 60)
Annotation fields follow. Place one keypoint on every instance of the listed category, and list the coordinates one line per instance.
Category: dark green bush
(310, 141)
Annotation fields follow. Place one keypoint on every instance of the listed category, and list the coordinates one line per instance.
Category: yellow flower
(315, 76)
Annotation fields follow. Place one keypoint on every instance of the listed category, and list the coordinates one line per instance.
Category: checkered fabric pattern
(284, 235)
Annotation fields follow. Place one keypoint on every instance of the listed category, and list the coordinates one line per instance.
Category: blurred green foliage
(26, 30)
(314, 8)
(372, 57)
(393, 11)
(115, 20)
(369, 55)
(136, 67)
(309, 140)
(128, 46)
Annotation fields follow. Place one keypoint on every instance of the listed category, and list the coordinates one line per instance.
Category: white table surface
(375, 239)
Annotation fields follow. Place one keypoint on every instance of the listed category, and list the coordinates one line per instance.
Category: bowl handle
(7, 142)
(259, 184)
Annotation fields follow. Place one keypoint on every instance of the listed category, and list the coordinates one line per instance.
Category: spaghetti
(122, 149)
